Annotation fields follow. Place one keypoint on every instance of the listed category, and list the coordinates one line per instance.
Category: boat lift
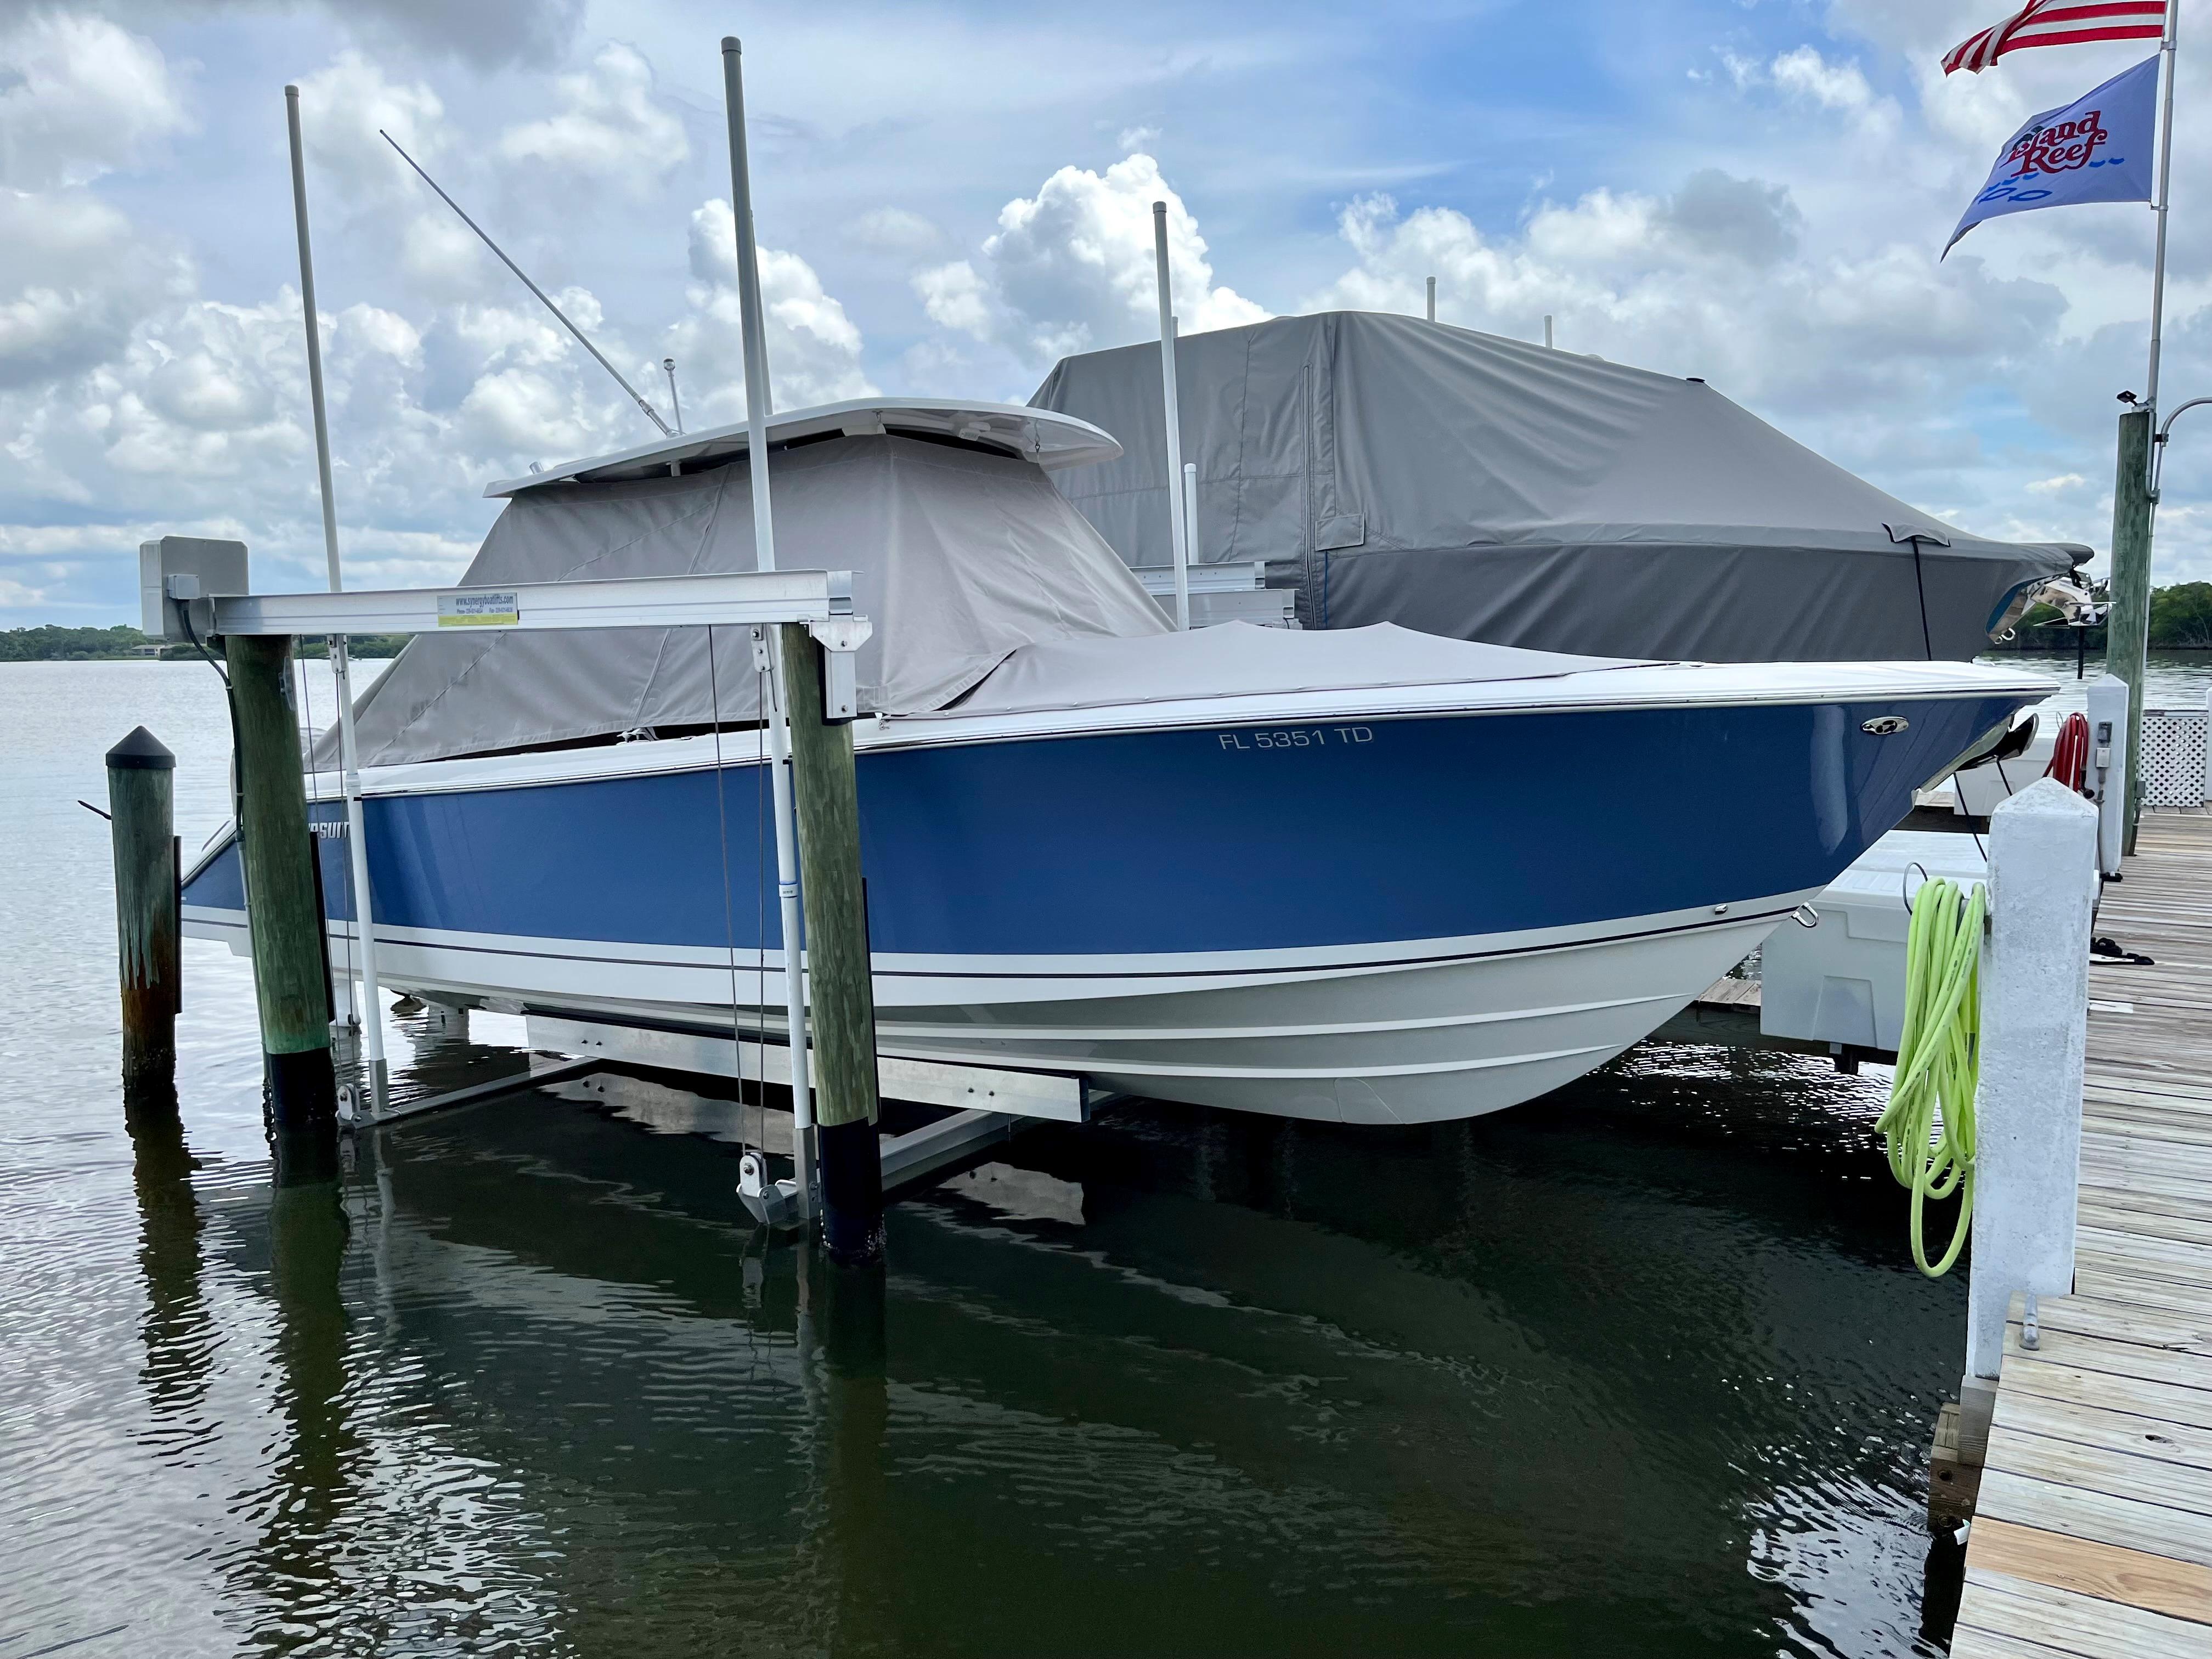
(182, 578)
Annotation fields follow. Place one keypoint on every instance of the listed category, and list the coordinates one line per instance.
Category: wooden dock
(2092, 1526)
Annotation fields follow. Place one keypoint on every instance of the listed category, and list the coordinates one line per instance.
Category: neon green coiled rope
(1929, 1124)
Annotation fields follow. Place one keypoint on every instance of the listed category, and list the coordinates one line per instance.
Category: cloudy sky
(950, 196)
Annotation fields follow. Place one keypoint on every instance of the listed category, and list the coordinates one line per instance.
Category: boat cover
(959, 556)
(1238, 660)
(1402, 470)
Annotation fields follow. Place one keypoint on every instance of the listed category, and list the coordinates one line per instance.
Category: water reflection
(1634, 1366)
(296, 1571)
(178, 1332)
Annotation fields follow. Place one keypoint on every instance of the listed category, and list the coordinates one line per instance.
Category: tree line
(51, 643)
(2180, 620)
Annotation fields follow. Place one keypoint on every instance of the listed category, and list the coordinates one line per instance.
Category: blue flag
(2097, 149)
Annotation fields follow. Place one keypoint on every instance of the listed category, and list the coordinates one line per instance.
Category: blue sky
(1755, 190)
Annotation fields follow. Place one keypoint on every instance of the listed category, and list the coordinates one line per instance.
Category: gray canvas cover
(957, 556)
(1237, 660)
(1460, 484)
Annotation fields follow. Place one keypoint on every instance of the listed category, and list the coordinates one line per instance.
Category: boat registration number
(1298, 737)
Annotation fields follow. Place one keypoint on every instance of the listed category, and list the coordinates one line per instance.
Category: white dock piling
(2035, 1000)
(2109, 761)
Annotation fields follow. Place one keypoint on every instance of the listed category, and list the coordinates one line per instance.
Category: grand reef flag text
(2097, 149)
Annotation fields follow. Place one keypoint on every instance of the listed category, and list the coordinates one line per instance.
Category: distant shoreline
(124, 644)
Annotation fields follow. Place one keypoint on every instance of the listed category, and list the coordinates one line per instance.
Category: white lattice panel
(2173, 742)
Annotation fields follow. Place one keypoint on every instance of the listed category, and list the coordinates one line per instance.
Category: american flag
(2058, 23)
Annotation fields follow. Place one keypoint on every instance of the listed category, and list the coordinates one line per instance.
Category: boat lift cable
(543, 298)
(729, 905)
(1928, 1127)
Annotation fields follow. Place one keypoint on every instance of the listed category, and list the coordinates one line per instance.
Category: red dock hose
(2070, 758)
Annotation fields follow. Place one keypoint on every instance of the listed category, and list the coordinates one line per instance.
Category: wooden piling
(843, 996)
(291, 973)
(2127, 626)
(141, 780)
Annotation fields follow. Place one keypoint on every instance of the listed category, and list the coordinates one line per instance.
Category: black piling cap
(141, 751)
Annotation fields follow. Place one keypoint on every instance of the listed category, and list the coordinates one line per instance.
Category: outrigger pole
(543, 298)
(758, 407)
(368, 1007)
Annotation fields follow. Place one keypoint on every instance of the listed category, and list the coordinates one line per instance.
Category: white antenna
(1190, 517)
(368, 1009)
(1548, 332)
(651, 413)
(1432, 298)
(675, 403)
(758, 407)
(1178, 534)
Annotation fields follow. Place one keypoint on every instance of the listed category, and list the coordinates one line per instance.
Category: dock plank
(2059, 1501)
(2006, 1604)
(2128, 1431)
(2176, 1589)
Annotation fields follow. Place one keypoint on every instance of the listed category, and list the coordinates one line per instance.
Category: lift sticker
(480, 607)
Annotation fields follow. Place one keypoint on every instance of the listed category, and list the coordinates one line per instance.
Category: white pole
(757, 410)
(2166, 48)
(368, 1008)
(1177, 533)
(1190, 528)
(1432, 298)
(1548, 332)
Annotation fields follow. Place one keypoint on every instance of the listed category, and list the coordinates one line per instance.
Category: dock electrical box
(184, 568)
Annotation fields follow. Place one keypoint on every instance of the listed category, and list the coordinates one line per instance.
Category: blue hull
(1185, 842)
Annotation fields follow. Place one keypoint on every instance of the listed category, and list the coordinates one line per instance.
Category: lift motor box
(1842, 981)
(185, 568)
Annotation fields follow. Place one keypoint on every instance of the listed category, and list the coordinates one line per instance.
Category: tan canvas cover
(959, 556)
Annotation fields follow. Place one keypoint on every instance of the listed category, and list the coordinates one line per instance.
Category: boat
(1388, 469)
(1367, 875)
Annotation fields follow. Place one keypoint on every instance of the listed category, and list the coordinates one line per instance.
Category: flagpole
(2167, 49)
(2127, 622)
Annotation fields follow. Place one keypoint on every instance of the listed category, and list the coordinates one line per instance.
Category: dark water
(1637, 1370)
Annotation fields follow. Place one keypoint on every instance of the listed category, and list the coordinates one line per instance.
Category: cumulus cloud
(611, 126)
(344, 107)
(80, 96)
(813, 348)
(1072, 268)
(489, 33)
(85, 97)
(893, 230)
(1706, 282)
(77, 276)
